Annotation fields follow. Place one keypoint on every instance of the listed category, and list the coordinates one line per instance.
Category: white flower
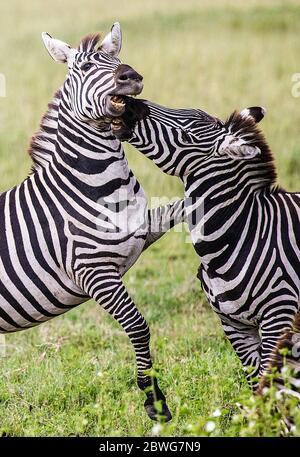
(236, 419)
(210, 426)
(217, 413)
(251, 424)
(100, 374)
(265, 390)
(156, 429)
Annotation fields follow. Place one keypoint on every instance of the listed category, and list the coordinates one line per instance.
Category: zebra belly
(30, 308)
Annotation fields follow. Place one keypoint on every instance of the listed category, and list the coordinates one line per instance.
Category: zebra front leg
(109, 291)
(162, 219)
(246, 342)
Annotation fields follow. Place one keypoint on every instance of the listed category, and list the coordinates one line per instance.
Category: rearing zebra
(245, 231)
(79, 221)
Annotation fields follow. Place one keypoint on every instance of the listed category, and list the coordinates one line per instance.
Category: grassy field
(76, 375)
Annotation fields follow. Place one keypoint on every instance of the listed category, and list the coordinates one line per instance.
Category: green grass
(76, 374)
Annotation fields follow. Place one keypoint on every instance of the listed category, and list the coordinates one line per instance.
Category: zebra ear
(256, 112)
(240, 152)
(244, 152)
(237, 148)
(112, 43)
(59, 51)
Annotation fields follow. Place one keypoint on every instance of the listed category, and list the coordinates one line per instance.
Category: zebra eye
(86, 66)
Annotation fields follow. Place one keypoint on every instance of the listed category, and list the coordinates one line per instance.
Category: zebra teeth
(117, 103)
(116, 124)
(117, 98)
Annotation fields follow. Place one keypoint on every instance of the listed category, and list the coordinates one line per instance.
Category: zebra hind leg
(286, 352)
(280, 351)
(109, 291)
(246, 342)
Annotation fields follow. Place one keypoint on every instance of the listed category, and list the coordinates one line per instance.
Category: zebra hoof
(163, 414)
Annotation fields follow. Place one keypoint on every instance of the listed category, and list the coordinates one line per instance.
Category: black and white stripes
(245, 231)
(80, 220)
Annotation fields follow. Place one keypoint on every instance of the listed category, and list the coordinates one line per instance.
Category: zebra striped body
(71, 230)
(63, 219)
(245, 231)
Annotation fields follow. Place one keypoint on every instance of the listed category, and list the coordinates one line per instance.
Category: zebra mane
(247, 128)
(42, 144)
(89, 42)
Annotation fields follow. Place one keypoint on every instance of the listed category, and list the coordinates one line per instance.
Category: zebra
(79, 221)
(244, 228)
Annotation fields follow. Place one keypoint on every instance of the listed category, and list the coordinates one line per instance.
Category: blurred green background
(75, 375)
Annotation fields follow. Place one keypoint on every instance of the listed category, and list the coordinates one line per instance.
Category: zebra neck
(152, 139)
(85, 156)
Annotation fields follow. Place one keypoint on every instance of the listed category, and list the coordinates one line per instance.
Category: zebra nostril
(123, 77)
(129, 75)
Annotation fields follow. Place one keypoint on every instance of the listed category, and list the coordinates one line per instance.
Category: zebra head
(178, 139)
(96, 77)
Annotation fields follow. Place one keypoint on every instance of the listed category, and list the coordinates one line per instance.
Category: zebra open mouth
(117, 124)
(118, 103)
(123, 125)
(115, 105)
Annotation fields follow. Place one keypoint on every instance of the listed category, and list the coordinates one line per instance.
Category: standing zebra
(245, 230)
(80, 221)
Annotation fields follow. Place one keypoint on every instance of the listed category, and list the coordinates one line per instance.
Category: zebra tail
(286, 355)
